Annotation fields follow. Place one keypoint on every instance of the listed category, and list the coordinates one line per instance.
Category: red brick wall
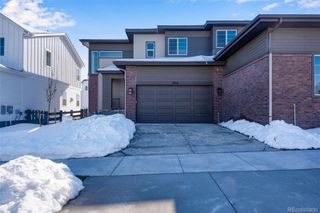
(131, 100)
(217, 74)
(246, 92)
(293, 84)
(93, 93)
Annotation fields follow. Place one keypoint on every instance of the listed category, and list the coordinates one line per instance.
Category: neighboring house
(27, 60)
(262, 70)
(84, 94)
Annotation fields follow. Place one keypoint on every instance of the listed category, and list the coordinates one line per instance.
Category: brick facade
(293, 84)
(131, 100)
(246, 92)
(217, 74)
(93, 93)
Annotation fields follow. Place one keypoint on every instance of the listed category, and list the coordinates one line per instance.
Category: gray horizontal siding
(296, 40)
(127, 49)
(196, 46)
(253, 50)
(167, 75)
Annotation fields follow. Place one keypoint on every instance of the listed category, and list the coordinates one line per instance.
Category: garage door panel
(174, 104)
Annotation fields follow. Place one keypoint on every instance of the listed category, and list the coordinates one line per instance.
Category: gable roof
(263, 22)
(37, 33)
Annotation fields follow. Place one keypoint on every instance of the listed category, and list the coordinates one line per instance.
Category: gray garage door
(174, 104)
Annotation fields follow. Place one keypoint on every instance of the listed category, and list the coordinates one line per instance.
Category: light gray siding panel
(63, 64)
(253, 50)
(13, 51)
(296, 40)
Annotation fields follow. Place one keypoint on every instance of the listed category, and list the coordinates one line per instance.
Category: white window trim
(313, 77)
(177, 38)
(117, 51)
(47, 50)
(225, 30)
(153, 50)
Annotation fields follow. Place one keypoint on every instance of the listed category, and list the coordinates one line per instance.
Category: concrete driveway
(173, 168)
(158, 139)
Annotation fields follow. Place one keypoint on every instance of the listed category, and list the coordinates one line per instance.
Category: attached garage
(174, 104)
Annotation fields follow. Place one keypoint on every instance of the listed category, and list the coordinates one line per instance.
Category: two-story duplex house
(261, 70)
(27, 60)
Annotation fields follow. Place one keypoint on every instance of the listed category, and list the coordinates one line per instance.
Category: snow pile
(277, 134)
(94, 136)
(31, 184)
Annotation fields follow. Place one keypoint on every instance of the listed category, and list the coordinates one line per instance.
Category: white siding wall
(13, 52)
(63, 64)
(84, 95)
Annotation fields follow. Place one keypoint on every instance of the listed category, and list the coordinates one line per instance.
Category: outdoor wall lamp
(130, 91)
(219, 91)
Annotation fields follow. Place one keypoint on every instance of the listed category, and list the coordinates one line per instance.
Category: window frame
(2, 53)
(116, 51)
(314, 75)
(226, 36)
(64, 98)
(177, 39)
(48, 51)
(153, 50)
(92, 65)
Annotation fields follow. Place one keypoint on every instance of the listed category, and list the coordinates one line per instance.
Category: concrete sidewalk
(192, 163)
(243, 192)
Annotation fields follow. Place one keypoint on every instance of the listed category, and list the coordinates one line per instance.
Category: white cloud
(33, 14)
(270, 6)
(309, 4)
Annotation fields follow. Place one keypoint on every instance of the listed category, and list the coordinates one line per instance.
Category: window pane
(182, 46)
(94, 61)
(150, 54)
(48, 58)
(316, 77)
(317, 84)
(231, 34)
(150, 45)
(172, 46)
(110, 54)
(1, 46)
(221, 38)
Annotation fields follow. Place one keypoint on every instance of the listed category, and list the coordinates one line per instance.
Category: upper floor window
(316, 72)
(2, 46)
(150, 49)
(94, 61)
(177, 46)
(110, 54)
(48, 58)
(64, 98)
(224, 37)
(78, 74)
(77, 99)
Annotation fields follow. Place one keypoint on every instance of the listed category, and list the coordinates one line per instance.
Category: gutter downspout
(270, 66)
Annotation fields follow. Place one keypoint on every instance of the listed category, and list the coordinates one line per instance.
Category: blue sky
(109, 18)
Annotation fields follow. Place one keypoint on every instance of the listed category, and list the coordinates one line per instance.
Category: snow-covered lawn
(95, 136)
(278, 134)
(31, 184)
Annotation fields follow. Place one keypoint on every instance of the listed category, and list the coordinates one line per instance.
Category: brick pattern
(217, 74)
(93, 93)
(131, 100)
(293, 84)
(246, 92)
